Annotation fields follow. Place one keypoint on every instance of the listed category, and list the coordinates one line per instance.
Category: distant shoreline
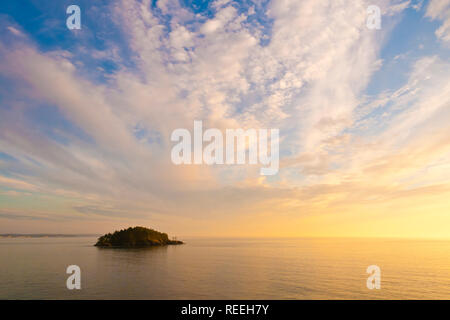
(43, 235)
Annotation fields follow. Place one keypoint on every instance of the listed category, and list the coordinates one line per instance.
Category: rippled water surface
(33, 268)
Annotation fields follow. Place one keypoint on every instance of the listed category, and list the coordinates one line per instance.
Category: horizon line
(18, 235)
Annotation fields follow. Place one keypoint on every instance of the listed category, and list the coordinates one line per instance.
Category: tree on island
(135, 237)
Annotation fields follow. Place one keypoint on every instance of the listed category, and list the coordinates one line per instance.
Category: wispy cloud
(301, 66)
(440, 10)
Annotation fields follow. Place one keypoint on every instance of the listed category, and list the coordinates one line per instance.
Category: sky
(86, 117)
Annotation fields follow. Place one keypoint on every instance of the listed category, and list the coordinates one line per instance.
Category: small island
(136, 237)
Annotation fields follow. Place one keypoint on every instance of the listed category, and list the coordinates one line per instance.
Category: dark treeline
(135, 237)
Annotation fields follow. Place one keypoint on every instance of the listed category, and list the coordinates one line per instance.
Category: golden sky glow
(85, 120)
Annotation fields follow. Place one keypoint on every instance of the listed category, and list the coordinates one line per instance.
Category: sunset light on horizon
(88, 115)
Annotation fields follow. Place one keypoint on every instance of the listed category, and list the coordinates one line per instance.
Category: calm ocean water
(226, 269)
